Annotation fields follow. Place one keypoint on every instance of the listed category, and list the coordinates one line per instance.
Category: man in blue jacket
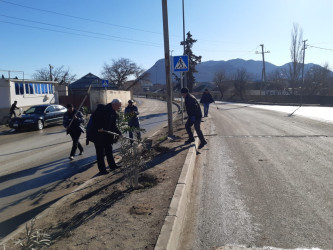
(194, 117)
(132, 113)
(206, 99)
(74, 128)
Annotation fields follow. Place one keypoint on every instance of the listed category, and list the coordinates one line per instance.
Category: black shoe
(81, 152)
(103, 172)
(189, 141)
(71, 158)
(202, 144)
(114, 167)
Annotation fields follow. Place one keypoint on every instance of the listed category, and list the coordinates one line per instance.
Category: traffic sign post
(105, 83)
(180, 63)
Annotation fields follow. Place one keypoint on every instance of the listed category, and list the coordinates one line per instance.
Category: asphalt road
(35, 170)
(265, 179)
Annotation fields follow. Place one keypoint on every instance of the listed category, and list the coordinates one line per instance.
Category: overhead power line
(97, 21)
(71, 33)
(80, 18)
(319, 48)
(90, 32)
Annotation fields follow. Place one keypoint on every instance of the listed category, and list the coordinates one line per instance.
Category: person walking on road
(105, 119)
(206, 99)
(12, 109)
(132, 112)
(74, 128)
(194, 117)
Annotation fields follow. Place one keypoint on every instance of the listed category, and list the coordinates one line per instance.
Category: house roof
(90, 79)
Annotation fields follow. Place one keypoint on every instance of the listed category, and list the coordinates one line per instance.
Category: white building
(26, 93)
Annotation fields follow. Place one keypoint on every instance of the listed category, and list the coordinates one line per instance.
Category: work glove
(116, 138)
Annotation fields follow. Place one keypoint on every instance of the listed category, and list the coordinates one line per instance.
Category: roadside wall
(106, 96)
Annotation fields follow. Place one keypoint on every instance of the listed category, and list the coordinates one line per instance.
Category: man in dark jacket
(73, 122)
(12, 109)
(132, 112)
(105, 118)
(194, 117)
(206, 99)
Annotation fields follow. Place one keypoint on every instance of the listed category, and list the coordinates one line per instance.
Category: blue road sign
(180, 63)
(105, 83)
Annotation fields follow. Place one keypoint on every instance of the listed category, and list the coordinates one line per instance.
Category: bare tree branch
(120, 70)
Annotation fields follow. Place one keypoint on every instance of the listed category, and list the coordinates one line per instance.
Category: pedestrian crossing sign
(180, 63)
(105, 83)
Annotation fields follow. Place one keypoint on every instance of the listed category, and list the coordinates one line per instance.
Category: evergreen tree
(193, 60)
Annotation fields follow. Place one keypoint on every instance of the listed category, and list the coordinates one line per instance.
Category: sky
(83, 35)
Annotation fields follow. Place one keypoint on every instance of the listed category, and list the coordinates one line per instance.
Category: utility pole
(263, 73)
(51, 67)
(184, 73)
(167, 64)
(304, 47)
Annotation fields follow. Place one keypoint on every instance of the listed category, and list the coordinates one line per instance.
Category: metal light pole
(171, 71)
(167, 64)
(304, 47)
(184, 74)
(51, 67)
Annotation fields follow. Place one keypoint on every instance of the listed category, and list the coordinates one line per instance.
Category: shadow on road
(53, 176)
(151, 116)
(12, 224)
(31, 149)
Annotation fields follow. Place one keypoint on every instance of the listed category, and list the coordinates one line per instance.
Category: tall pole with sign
(181, 64)
(183, 74)
(167, 64)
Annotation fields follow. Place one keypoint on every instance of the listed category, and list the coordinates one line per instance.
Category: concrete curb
(174, 221)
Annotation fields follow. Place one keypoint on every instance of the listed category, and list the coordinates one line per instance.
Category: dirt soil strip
(104, 213)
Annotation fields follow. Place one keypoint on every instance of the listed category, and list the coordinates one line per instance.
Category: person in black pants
(194, 117)
(105, 119)
(12, 109)
(206, 99)
(132, 112)
(74, 128)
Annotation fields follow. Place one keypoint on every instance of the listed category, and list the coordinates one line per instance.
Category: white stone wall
(106, 96)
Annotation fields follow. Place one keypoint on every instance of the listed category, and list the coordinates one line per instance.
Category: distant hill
(207, 70)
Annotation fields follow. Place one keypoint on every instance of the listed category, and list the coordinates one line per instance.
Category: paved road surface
(35, 170)
(265, 179)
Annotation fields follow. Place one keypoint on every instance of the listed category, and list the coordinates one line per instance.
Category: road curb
(174, 221)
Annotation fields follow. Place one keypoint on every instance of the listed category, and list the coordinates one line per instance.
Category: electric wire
(319, 48)
(79, 18)
(98, 21)
(71, 33)
(63, 27)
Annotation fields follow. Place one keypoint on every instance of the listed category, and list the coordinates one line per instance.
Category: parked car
(39, 116)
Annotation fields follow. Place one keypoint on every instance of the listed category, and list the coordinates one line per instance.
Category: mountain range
(206, 70)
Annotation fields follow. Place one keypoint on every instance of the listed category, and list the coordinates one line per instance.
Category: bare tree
(296, 54)
(316, 80)
(276, 81)
(120, 70)
(240, 79)
(219, 80)
(59, 74)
